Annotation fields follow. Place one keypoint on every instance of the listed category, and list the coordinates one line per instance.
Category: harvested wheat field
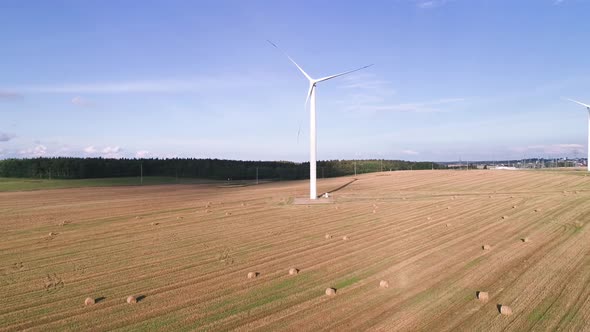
(185, 251)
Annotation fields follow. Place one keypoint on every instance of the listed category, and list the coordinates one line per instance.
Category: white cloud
(111, 149)
(142, 154)
(37, 151)
(80, 101)
(105, 152)
(90, 149)
(410, 152)
(5, 137)
(112, 152)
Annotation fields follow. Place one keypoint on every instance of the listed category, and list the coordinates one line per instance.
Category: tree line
(220, 169)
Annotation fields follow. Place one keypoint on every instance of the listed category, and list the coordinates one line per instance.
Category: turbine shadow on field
(339, 188)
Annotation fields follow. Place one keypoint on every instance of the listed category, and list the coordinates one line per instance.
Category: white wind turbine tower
(588, 108)
(312, 120)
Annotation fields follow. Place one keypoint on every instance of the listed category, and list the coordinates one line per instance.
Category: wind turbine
(588, 108)
(312, 119)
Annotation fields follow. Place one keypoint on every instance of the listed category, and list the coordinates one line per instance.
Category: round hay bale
(448, 207)
(327, 236)
(504, 217)
(89, 301)
(486, 247)
(384, 284)
(429, 218)
(293, 271)
(252, 275)
(228, 213)
(51, 234)
(345, 238)
(525, 239)
(514, 206)
(491, 196)
(131, 299)
(330, 291)
(505, 310)
(537, 210)
(155, 223)
(448, 225)
(483, 296)
(374, 211)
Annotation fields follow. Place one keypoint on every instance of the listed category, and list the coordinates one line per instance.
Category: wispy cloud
(81, 101)
(430, 4)
(372, 95)
(9, 95)
(550, 149)
(410, 152)
(5, 137)
(433, 106)
(146, 86)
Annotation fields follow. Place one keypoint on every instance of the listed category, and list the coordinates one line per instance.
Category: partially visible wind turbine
(588, 108)
(312, 119)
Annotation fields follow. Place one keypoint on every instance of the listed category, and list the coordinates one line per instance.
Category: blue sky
(452, 79)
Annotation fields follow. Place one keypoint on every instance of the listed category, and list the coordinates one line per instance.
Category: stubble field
(186, 251)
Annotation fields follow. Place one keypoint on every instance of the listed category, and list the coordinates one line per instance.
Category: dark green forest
(86, 168)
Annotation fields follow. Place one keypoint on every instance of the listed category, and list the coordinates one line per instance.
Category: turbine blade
(347, 72)
(295, 63)
(311, 87)
(577, 102)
